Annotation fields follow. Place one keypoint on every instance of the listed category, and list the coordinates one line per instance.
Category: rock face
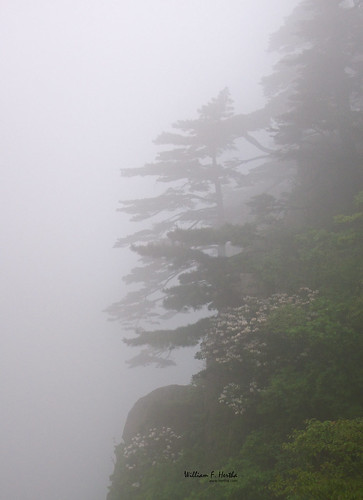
(170, 406)
(178, 407)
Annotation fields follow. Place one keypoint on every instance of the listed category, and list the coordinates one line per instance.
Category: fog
(85, 88)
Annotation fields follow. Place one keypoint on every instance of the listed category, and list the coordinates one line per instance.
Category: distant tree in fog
(319, 78)
(195, 161)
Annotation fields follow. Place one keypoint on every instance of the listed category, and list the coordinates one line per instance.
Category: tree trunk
(220, 204)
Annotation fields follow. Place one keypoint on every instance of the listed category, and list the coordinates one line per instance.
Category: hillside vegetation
(277, 411)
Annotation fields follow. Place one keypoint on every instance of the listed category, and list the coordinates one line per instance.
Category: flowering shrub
(240, 337)
(233, 332)
(154, 447)
(232, 397)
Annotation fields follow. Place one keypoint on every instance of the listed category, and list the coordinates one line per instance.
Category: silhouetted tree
(195, 162)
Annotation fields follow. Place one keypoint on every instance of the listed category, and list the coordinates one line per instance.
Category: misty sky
(85, 88)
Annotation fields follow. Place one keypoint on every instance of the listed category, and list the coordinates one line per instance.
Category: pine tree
(319, 78)
(182, 254)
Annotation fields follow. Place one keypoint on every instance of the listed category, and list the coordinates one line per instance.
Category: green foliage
(317, 372)
(322, 461)
(331, 258)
